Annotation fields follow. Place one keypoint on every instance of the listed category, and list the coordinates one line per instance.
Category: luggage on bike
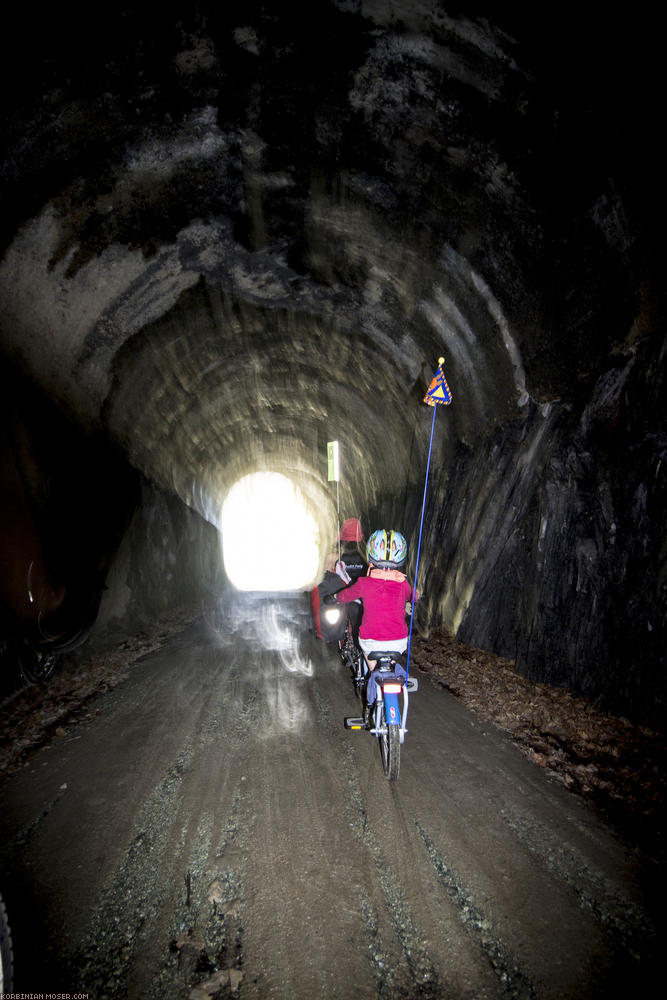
(330, 621)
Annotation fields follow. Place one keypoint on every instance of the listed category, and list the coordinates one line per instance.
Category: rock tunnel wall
(170, 561)
(543, 542)
(89, 550)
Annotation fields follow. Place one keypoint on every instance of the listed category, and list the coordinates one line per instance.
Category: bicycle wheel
(390, 748)
(6, 958)
(345, 647)
(36, 666)
(358, 674)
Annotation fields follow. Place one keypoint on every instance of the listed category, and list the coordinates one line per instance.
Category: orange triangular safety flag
(438, 392)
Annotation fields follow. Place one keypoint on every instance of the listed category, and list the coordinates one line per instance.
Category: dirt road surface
(212, 830)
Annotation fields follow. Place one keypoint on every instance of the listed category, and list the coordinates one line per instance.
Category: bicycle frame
(388, 722)
(390, 687)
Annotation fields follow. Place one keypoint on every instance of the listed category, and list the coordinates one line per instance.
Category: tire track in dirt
(166, 871)
(631, 928)
(511, 980)
(402, 965)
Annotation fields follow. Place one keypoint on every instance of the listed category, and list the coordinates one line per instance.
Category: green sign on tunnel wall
(332, 461)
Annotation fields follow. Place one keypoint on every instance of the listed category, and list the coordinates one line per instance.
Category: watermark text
(44, 996)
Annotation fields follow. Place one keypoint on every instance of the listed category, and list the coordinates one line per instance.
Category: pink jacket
(384, 601)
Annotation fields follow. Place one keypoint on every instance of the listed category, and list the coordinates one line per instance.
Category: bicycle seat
(388, 654)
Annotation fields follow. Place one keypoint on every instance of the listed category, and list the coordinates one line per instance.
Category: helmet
(351, 530)
(387, 549)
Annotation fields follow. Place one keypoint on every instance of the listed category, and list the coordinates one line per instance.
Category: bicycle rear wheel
(36, 666)
(6, 957)
(390, 748)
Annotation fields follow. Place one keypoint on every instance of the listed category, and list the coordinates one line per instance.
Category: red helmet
(351, 530)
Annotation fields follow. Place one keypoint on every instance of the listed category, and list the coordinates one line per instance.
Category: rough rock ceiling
(240, 233)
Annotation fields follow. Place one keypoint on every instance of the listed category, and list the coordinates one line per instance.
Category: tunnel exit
(270, 539)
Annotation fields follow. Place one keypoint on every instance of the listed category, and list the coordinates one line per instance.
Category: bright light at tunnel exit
(269, 537)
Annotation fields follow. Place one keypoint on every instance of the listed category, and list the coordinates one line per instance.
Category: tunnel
(234, 233)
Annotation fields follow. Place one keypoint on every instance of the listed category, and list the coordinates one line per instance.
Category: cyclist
(385, 594)
(351, 565)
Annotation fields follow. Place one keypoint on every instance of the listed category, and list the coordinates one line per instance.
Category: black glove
(330, 599)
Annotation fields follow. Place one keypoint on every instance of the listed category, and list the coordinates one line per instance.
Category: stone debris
(190, 940)
(217, 894)
(231, 978)
(216, 891)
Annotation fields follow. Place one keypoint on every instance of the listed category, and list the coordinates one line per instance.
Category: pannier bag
(329, 631)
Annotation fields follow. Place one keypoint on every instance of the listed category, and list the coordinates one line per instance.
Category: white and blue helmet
(387, 549)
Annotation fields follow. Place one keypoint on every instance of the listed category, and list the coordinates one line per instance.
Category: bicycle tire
(358, 674)
(389, 737)
(6, 952)
(36, 666)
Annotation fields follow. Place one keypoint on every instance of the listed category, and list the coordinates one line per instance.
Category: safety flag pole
(437, 394)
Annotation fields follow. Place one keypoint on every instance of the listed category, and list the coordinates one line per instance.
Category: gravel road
(212, 830)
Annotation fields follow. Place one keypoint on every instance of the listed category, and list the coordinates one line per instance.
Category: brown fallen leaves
(620, 767)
